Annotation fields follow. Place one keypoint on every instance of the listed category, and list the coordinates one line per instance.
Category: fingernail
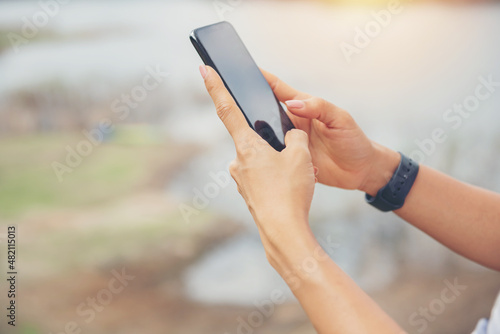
(295, 104)
(203, 71)
(316, 170)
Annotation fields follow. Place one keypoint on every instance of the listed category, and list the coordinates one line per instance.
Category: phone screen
(220, 47)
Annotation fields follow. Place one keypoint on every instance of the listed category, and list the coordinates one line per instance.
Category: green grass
(28, 181)
(29, 329)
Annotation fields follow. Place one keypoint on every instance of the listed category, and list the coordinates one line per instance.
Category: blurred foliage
(113, 169)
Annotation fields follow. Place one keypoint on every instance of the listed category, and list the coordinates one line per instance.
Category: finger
(297, 139)
(227, 110)
(317, 108)
(282, 91)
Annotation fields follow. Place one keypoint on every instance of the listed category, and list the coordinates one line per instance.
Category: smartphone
(220, 47)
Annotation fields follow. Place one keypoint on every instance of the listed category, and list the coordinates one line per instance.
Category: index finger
(283, 91)
(226, 107)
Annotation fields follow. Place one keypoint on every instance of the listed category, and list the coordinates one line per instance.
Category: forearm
(460, 216)
(332, 301)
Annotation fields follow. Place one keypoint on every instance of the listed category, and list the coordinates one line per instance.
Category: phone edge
(207, 61)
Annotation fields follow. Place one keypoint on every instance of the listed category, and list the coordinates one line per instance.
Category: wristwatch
(392, 196)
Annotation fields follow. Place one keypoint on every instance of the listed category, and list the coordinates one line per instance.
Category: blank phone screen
(230, 58)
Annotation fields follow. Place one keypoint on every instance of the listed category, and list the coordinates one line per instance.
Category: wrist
(384, 164)
(301, 261)
(287, 249)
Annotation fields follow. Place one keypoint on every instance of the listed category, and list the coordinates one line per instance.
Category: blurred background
(113, 164)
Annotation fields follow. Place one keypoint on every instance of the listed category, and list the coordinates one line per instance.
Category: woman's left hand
(278, 187)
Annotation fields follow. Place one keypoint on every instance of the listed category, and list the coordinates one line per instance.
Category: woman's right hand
(345, 157)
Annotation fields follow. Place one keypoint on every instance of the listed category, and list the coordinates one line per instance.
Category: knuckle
(224, 109)
(344, 117)
(246, 172)
(319, 102)
(233, 168)
(247, 150)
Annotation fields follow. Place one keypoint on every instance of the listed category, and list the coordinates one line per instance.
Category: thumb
(317, 108)
(297, 139)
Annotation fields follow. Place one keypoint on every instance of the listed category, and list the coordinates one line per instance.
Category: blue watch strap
(392, 196)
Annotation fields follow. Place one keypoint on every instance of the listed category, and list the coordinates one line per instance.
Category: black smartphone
(220, 47)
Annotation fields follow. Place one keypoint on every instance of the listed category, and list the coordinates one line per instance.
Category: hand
(277, 186)
(345, 157)
(278, 189)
